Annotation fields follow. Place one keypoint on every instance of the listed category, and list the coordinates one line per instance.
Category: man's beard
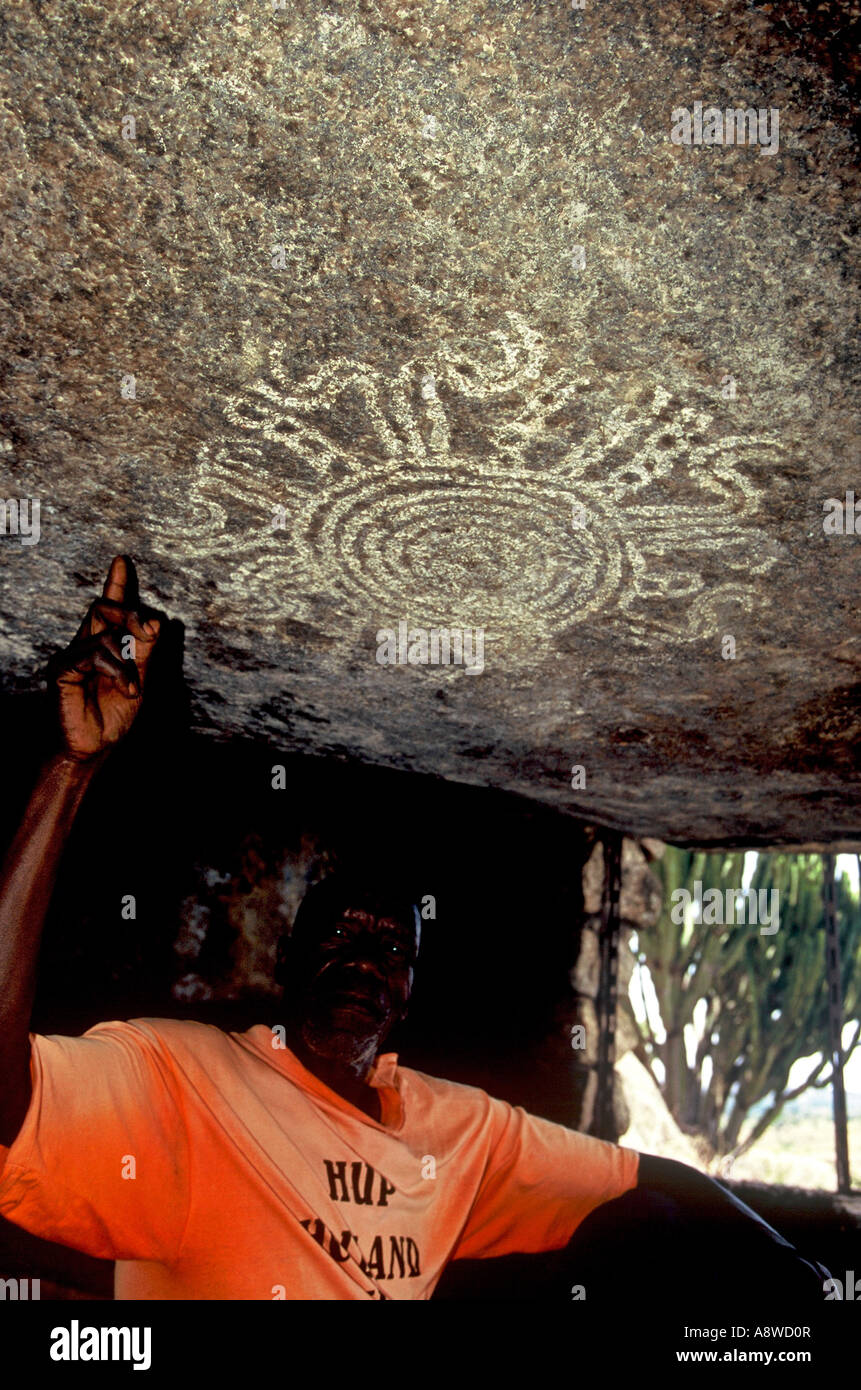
(337, 1044)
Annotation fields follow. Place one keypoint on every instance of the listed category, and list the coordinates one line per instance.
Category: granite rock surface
(342, 316)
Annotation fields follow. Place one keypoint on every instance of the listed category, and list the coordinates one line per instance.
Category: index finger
(115, 584)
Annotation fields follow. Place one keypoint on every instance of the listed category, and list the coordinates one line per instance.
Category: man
(294, 1161)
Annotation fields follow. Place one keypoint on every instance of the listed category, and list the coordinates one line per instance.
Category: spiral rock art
(384, 510)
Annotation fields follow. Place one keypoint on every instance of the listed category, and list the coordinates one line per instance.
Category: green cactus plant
(764, 996)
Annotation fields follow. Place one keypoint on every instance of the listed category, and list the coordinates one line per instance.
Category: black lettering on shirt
(385, 1189)
(375, 1265)
(362, 1179)
(365, 1198)
(337, 1173)
(403, 1251)
(397, 1253)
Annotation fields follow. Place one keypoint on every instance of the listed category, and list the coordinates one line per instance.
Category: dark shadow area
(644, 1247)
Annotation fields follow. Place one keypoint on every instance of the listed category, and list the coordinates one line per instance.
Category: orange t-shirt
(213, 1165)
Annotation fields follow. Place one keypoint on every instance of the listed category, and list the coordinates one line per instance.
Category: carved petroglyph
(387, 513)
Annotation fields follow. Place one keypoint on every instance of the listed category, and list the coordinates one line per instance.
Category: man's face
(349, 982)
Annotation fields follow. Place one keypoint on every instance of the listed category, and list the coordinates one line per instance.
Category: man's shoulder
(162, 1034)
(175, 1033)
(456, 1096)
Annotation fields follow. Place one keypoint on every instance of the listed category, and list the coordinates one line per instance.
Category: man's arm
(26, 885)
(99, 685)
(709, 1207)
(691, 1188)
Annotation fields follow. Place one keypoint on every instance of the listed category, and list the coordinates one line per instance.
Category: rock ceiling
(342, 316)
